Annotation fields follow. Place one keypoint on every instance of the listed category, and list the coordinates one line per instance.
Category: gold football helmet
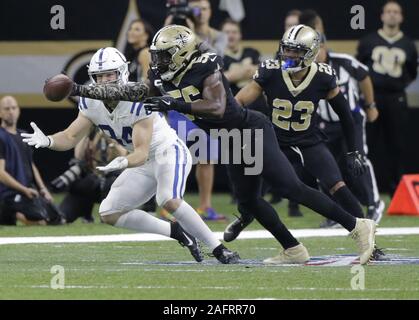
(298, 48)
(171, 50)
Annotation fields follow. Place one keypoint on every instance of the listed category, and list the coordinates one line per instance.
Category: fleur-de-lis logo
(181, 39)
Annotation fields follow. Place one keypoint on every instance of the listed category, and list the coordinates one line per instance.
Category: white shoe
(364, 235)
(293, 255)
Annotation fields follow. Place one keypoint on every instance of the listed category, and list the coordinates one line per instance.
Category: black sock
(348, 202)
(266, 215)
(322, 204)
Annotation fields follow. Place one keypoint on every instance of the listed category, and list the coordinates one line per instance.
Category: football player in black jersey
(197, 86)
(392, 59)
(293, 84)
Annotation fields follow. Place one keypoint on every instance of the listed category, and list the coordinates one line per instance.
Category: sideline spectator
(23, 194)
(392, 60)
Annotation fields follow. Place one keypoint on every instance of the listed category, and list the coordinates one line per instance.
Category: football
(58, 87)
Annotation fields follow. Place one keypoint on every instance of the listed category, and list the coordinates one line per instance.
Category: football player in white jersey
(158, 162)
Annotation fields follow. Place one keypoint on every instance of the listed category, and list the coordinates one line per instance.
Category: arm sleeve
(133, 91)
(341, 107)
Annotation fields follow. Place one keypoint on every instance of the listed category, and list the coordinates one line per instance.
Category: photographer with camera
(196, 15)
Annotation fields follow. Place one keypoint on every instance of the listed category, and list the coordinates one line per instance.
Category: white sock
(141, 221)
(190, 220)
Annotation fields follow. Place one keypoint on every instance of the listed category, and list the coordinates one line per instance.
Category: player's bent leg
(171, 181)
(190, 220)
(250, 202)
(320, 163)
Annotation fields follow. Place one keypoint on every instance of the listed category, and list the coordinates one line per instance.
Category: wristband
(183, 107)
(51, 142)
(371, 106)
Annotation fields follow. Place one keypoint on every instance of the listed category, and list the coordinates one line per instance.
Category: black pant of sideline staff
(36, 209)
(83, 195)
(387, 133)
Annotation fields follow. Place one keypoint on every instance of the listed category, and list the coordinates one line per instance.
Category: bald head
(9, 111)
(8, 101)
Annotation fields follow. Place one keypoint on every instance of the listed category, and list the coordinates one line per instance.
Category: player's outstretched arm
(61, 141)
(134, 91)
(249, 93)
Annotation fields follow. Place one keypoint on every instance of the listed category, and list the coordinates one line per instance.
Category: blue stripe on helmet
(100, 58)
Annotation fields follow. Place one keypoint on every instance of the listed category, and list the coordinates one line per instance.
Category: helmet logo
(181, 39)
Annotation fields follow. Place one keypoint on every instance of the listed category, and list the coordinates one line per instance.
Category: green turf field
(164, 270)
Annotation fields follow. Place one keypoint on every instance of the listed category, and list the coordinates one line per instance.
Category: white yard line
(138, 237)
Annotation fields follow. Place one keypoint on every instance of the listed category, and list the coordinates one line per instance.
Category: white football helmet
(107, 60)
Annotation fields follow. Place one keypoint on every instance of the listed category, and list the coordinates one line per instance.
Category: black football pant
(387, 133)
(279, 173)
(319, 162)
(363, 187)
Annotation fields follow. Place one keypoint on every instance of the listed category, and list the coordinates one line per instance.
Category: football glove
(37, 138)
(356, 163)
(166, 103)
(160, 104)
(119, 163)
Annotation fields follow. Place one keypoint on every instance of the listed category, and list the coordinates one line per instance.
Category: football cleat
(375, 212)
(378, 254)
(225, 256)
(294, 255)
(210, 214)
(233, 229)
(364, 235)
(186, 240)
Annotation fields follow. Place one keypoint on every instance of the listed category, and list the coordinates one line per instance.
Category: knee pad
(106, 207)
(162, 198)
